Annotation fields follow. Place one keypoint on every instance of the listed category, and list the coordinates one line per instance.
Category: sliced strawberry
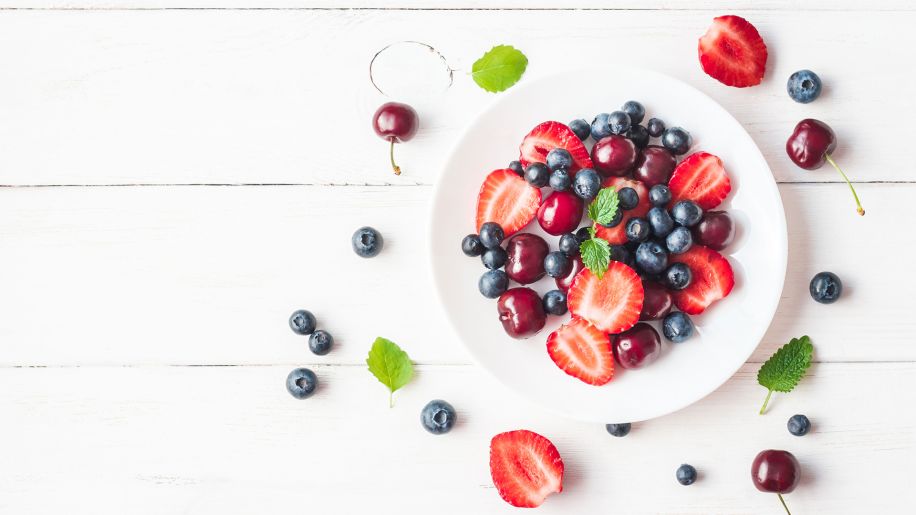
(700, 177)
(548, 136)
(617, 235)
(525, 468)
(732, 52)
(612, 303)
(505, 198)
(582, 351)
(713, 279)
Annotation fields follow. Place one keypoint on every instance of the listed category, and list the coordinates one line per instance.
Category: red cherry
(613, 155)
(654, 165)
(656, 302)
(810, 146)
(777, 472)
(527, 251)
(638, 346)
(521, 312)
(397, 123)
(715, 230)
(560, 213)
(564, 282)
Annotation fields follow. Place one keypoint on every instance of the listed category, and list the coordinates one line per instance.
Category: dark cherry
(521, 312)
(560, 213)
(563, 283)
(810, 146)
(654, 165)
(614, 155)
(776, 472)
(715, 230)
(397, 123)
(526, 257)
(656, 302)
(638, 346)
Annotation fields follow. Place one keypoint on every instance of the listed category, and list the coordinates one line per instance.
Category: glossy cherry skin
(637, 346)
(716, 230)
(394, 121)
(521, 312)
(563, 283)
(614, 155)
(526, 257)
(656, 302)
(775, 471)
(560, 213)
(654, 165)
(810, 143)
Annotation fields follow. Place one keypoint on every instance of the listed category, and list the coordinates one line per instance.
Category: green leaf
(603, 209)
(499, 68)
(786, 367)
(390, 365)
(596, 255)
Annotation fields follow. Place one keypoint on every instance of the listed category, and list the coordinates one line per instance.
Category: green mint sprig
(596, 252)
(499, 68)
(785, 368)
(390, 365)
(603, 209)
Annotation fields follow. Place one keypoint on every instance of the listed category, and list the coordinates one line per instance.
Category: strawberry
(617, 235)
(732, 52)
(548, 136)
(505, 198)
(582, 351)
(612, 303)
(713, 279)
(525, 468)
(700, 177)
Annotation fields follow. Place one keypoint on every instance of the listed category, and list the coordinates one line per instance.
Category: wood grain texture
(242, 96)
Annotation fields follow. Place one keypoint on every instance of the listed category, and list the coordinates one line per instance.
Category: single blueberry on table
(580, 128)
(569, 244)
(600, 127)
(367, 242)
(826, 287)
(804, 86)
(635, 110)
(639, 136)
(302, 322)
(655, 127)
(677, 326)
(637, 229)
(559, 180)
(686, 213)
(471, 245)
(627, 198)
(586, 184)
(556, 264)
(438, 417)
(301, 383)
(686, 474)
(559, 158)
(659, 195)
(516, 167)
(320, 342)
(678, 276)
(651, 258)
(799, 425)
(679, 240)
(619, 122)
(618, 430)
(493, 283)
(537, 175)
(555, 302)
(494, 258)
(677, 140)
(660, 222)
(491, 235)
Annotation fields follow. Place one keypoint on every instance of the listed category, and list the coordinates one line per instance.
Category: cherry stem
(766, 401)
(848, 183)
(783, 501)
(394, 166)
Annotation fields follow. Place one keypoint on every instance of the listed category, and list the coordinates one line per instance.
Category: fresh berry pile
(651, 241)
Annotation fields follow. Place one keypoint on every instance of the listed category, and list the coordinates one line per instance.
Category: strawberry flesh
(525, 468)
(713, 279)
(582, 351)
(700, 177)
(505, 198)
(611, 303)
(548, 136)
(732, 52)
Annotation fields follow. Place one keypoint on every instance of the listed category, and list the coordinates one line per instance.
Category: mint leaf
(785, 368)
(499, 68)
(596, 255)
(603, 209)
(390, 365)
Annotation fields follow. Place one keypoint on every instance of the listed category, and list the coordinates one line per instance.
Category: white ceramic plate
(728, 332)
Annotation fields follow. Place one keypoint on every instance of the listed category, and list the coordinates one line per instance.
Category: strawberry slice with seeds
(582, 351)
(505, 198)
(700, 177)
(611, 303)
(548, 136)
(617, 235)
(525, 468)
(713, 279)
(732, 52)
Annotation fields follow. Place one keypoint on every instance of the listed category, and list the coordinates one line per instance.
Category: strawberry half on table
(732, 52)
(525, 468)
(713, 279)
(700, 177)
(505, 198)
(548, 136)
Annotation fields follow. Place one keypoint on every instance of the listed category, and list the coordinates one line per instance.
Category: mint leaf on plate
(603, 209)
(785, 368)
(499, 68)
(390, 365)
(596, 254)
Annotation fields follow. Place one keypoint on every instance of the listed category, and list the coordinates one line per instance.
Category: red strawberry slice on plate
(713, 279)
(582, 351)
(548, 136)
(611, 303)
(617, 235)
(732, 52)
(700, 177)
(525, 468)
(505, 198)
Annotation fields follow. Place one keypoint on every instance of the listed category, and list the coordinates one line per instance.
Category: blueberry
(660, 222)
(619, 122)
(302, 322)
(600, 128)
(569, 244)
(686, 213)
(471, 246)
(559, 158)
(677, 326)
(659, 195)
(799, 425)
(677, 140)
(637, 229)
(555, 302)
(580, 128)
(301, 383)
(628, 198)
(639, 136)
(651, 258)
(367, 242)
(678, 276)
(493, 283)
(559, 180)
(679, 240)
(491, 235)
(586, 184)
(537, 174)
(516, 167)
(320, 342)
(635, 110)
(686, 474)
(618, 216)
(825, 287)
(655, 127)
(620, 253)
(582, 234)
(438, 417)
(556, 264)
(804, 86)
(494, 258)
(618, 430)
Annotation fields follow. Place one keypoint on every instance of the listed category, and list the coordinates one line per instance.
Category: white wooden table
(177, 181)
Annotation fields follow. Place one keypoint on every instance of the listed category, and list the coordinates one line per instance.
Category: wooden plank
(152, 440)
(209, 275)
(250, 96)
